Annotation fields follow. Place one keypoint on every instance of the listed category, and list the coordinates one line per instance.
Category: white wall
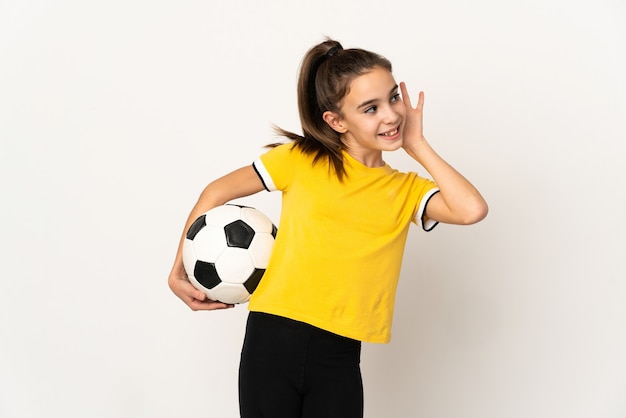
(114, 115)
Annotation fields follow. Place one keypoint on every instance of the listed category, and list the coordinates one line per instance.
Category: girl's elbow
(476, 213)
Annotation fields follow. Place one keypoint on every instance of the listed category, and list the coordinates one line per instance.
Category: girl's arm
(239, 183)
(458, 201)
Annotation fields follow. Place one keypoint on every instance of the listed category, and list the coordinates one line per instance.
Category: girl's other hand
(413, 125)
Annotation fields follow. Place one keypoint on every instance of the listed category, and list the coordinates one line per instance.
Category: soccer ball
(226, 251)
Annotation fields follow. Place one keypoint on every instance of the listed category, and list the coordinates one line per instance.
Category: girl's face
(373, 116)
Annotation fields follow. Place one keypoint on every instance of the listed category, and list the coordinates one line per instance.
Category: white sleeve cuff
(427, 224)
(264, 175)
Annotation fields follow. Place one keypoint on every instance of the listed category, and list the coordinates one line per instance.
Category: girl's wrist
(415, 148)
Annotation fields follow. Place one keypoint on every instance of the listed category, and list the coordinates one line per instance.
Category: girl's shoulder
(286, 151)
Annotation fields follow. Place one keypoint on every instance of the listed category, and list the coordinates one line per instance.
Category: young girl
(332, 277)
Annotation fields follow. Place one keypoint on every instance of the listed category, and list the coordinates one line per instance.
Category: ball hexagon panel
(208, 245)
(257, 220)
(260, 249)
(234, 265)
(223, 215)
(229, 293)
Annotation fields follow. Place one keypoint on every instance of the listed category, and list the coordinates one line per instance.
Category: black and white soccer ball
(226, 252)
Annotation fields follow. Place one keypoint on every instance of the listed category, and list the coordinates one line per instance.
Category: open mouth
(390, 133)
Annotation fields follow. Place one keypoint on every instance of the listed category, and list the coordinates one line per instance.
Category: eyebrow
(372, 101)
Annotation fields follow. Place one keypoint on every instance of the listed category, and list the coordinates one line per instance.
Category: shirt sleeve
(275, 168)
(427, 223)
(423, 189)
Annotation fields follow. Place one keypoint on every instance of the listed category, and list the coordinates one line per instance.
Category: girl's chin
(392, 145)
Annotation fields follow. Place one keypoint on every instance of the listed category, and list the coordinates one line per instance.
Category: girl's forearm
(463, 201)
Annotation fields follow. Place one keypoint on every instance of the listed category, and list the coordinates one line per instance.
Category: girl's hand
(239, 183)
(194, 298)
(458, 202)
(413, 125)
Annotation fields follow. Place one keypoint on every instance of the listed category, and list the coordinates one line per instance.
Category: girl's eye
(371, 109)
(395, 98)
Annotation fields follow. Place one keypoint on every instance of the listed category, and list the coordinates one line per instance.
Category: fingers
(407, 99)
(207, 305)
(200, 302)
(405, 95)
(187, 292)
(194, 298)
(420, 101)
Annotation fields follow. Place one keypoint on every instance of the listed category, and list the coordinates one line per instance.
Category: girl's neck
(373, 159)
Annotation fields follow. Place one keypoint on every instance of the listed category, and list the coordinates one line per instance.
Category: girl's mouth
(390, 134)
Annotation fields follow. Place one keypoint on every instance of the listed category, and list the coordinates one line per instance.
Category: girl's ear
(334, 121)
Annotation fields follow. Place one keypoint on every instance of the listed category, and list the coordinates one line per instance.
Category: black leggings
(290, 369)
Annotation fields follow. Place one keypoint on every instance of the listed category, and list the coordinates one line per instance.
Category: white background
(114, 115)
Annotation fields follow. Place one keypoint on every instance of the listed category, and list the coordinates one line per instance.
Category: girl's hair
(325, 76)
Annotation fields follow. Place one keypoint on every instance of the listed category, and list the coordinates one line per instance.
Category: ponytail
(325, 76)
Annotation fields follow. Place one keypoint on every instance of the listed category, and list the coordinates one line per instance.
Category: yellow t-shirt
(337, 257)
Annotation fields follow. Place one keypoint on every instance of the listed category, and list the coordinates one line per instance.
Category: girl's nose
(391, 116)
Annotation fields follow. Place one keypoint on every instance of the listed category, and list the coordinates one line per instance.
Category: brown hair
(325, 76)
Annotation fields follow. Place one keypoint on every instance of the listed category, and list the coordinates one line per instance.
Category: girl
(331, 281)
